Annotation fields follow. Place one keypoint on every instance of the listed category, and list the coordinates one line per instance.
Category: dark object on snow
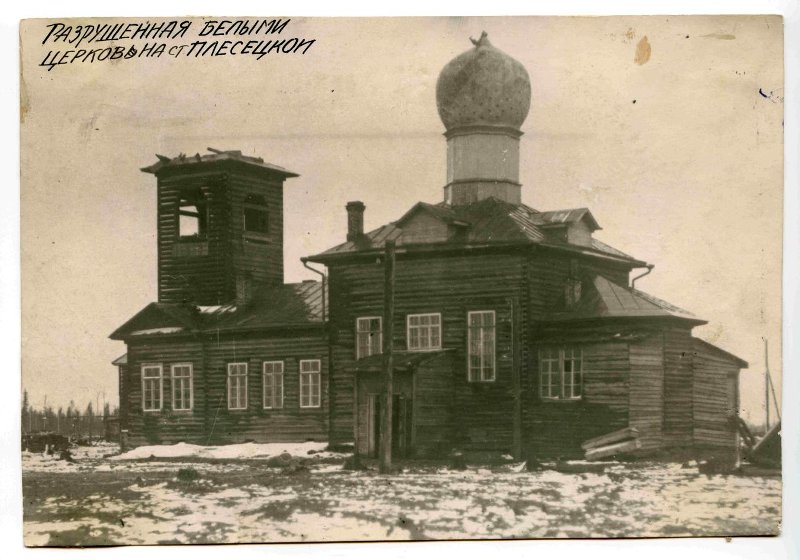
(66, 456)
(714, 465)
(49, 442)
(354, 464)
(767, 452)
(532, 464)
(188, 474)
(283, 460)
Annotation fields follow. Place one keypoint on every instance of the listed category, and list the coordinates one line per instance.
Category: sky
(679, 157)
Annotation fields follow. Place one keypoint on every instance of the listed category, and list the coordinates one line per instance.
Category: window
(152, 387)
(481, 341)
(561, 373)
(369, 336)
(192, 215)
(182, 390)
(237, 386)
(273, 384)
(310, 383)
(425, 331)
(256, 215)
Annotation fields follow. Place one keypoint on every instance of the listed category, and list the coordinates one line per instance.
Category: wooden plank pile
(620, 442)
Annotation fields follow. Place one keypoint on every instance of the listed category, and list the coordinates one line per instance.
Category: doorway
(401, 425)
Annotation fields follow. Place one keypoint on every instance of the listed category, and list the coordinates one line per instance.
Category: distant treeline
(74, 421)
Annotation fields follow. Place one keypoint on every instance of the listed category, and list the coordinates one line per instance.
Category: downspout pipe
(327, 338)
(649, 267)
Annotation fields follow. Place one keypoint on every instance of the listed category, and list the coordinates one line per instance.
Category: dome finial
(483, 41)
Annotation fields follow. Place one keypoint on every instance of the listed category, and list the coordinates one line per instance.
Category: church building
(515, 330)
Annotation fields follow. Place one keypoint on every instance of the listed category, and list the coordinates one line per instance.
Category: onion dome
(483, 86)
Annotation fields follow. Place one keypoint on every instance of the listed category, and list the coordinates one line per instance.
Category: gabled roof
(603, 299)
(285, 306)
(215, 155)
(701, 345)
(489, 222)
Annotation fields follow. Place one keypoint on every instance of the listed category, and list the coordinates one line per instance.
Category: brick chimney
(355, 219)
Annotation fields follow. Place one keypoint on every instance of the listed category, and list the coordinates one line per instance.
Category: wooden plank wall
(434, 412)
(557, 428)
(210, 421)
(714, 403)
(678, 391)
(210, 279)
(205, 280)
(261, 257)
(647, 390)
(451, 286)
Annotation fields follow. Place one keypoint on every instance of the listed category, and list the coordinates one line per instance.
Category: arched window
(256, 215)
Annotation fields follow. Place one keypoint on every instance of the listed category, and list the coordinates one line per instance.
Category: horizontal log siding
(647, 390)
(210, 421)
(211, 279)
(678, 392)
(205, 280)
(291, 423)
(165, 426)
(557, 428)
(262, 258)
(433, 407)
(452, 286)
(714, 405)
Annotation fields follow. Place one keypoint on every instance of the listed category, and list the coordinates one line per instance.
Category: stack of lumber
(622, 441)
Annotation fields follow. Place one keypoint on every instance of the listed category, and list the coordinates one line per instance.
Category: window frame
(408, 332)
(560, 358)
(359, 332)
(248, 203)
(318, 374)
(172, 378)
(193, 198)
(273, 374)
(246, 376)
(160, 379)
(481, 328)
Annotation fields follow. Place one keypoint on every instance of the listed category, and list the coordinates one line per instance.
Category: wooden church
(515, 330)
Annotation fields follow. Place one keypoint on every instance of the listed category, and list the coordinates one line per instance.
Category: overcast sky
(679, 159)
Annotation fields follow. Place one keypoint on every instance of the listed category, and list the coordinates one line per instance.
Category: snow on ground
(238, 498)
(236, 451)
(106, 501)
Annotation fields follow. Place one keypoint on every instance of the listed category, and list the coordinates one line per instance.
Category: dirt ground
(98, 500)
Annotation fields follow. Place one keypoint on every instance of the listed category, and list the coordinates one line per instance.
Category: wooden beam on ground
(619, 435)
(614, 449)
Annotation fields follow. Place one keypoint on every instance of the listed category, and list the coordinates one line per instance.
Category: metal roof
(603, 299)
(215, 155)
(288, 305)
(486, 222)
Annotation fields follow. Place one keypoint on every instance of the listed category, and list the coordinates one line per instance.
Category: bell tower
(220, 225)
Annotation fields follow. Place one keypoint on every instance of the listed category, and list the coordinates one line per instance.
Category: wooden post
(766, 380)
(388, 343)
(516, 378)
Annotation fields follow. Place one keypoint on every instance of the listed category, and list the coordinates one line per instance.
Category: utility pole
(388, 346)
(766, 380)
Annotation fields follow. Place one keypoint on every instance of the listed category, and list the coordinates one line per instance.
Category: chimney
(355, 219)
(244, 290)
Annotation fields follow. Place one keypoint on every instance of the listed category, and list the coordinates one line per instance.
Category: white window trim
(160, 386)
(380, 335)
(228, 385)
(494, 347)
(408, 332)
(560, 361)
(264, 384)
(318, 373)
(191, 385)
